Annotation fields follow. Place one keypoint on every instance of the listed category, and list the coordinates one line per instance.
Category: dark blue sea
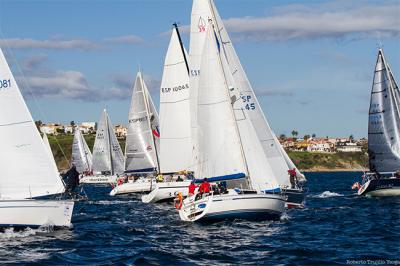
(335, 228)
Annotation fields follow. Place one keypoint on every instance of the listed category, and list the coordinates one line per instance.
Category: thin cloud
(319, 21)
(126, 39)
(28, 43)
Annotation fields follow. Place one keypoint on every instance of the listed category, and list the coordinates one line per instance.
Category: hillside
(304, 160)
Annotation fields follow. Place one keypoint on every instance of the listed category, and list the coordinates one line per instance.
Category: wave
(328, 194)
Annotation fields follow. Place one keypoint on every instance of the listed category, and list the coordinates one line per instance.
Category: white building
(348, 147)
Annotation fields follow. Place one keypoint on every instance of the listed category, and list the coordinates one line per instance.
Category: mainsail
(384, 120)
(277, 157)
(143, 134)
(107, 153)
(175, 141)
(36, 173)
(81, 155)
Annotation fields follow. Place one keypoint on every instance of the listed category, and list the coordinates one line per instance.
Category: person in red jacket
(205, 187)
(192, 188)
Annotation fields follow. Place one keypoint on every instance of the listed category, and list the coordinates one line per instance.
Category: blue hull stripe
(222, 178)
(245, 214)
(144, 170)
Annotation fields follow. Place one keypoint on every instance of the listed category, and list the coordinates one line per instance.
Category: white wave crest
(328, 194)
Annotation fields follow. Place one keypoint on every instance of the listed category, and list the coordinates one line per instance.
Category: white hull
(140, 186)
(34, 213)
(166, 191)
(390, 192)
(231, 206)
(98, 179)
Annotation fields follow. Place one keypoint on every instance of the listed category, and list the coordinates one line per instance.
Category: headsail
(142, 137)
(107, 153)
(81, 155)
(175, 141)
(219, 150)
(28, 169)
(384, 120)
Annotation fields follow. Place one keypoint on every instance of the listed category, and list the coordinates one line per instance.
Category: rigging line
(26, 84)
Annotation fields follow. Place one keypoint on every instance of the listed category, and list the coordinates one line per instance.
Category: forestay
(277, 157)
(175, 140)
(142, 136)
(219, 150)
(27, 168)
(107, 153)
(81, 155)
(384, 120)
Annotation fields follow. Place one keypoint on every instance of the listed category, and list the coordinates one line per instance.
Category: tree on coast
(306, 137)
(38, 124)
(294, 133)
(282, 136)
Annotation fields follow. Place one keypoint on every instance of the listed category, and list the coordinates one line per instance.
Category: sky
(310, 63)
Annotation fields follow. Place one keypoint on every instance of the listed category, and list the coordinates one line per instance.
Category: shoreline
(333, 170)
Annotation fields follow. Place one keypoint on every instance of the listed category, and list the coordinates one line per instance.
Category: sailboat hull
(256, 206)
(98, 179)
(35, 213)
(295, 198)
(385, 187)
(166, 191)
(140, 186)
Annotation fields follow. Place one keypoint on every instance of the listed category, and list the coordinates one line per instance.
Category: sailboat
(81, 155)
(273, 150)
(228, 149)
(29, 172)
(383, 134)
(142, 142)
(175, 141)
(108, 160)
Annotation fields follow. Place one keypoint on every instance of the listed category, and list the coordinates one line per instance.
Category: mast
(181, 44)
(232, 111)
(148, 119)
(109, 143)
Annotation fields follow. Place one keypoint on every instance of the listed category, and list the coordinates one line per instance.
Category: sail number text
(177, 88)
(5, 83)
(247, 101)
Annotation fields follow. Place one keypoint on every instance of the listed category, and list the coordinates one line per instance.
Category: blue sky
(310, 62)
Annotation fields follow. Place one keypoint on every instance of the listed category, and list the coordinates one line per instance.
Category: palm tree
(294, 133)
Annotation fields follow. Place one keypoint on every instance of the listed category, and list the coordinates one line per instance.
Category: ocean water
(335, 228)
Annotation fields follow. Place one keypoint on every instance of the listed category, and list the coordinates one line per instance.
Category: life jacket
(192, 188)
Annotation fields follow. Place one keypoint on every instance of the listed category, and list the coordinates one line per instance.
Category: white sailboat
(278, 159)
(81, 155)
(175, 141)
(142, 141)
(228, 150)
(28, 169)
(108, 160)
(383, 134)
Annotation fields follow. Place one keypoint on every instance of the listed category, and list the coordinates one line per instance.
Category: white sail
(277, 157)
(175, 141)
(219, 150)
(81, 155)
(198, 27)
(384, 120)
(107, 153)
(141, 140)
(27, 168)
(47, 144)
